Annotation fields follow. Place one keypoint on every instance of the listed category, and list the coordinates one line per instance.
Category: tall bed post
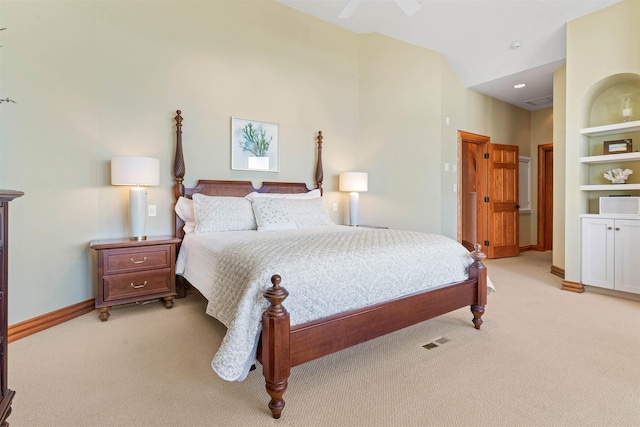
(178, 165)
(319, 171)
(178, 190)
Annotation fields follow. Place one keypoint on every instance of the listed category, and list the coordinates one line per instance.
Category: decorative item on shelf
(618, 146)
(617, 176)
(136, 171)
(627, 106)
(354, 182)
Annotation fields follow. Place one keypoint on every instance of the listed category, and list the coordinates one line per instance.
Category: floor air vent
(436, 343)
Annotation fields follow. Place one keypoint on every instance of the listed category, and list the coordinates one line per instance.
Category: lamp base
(354, 199)
(137, 212)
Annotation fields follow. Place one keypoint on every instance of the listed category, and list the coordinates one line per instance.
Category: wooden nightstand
(131, 271)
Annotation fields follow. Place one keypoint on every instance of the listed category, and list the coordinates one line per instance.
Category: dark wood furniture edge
(6, 196)
(117, 243)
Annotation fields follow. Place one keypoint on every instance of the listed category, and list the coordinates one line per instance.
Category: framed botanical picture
(618, 146)
(254, 145)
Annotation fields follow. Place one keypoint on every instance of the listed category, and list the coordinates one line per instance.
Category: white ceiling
(475, 36)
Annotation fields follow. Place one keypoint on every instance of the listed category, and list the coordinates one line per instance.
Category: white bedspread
(326, 270)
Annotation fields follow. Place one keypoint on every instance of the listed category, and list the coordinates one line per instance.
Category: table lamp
(136, 171)
(353, 182)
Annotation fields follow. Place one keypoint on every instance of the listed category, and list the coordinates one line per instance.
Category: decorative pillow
(272, 213)
(216, 213)
(309, 212)
(308, 195)
(184, 210)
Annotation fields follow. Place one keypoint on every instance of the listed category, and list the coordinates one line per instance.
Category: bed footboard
(282, 347)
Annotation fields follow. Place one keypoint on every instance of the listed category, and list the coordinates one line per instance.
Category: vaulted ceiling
(492, 45)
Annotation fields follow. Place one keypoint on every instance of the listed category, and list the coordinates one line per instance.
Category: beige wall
(559, 164)
(400, 92)
(99, 79)
(541, 133)
(599, 45)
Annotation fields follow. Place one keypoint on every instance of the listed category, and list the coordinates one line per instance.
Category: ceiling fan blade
(349, 9)
(409, 7)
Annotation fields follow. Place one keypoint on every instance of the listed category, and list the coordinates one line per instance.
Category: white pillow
(272, 214)
(308, 212)
(308, 195)
(277, 213)
(184, 210)
(217, 213)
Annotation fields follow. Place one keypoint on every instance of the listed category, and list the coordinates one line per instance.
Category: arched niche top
(601, 104)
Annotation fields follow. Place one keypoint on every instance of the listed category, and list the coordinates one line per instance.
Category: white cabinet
(611, 254)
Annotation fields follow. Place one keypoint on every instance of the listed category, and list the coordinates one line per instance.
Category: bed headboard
(232, 188)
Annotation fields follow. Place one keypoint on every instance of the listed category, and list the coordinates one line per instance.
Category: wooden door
(545, 197)
(503, 219)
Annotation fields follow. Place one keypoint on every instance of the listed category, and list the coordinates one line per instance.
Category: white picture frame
(254, 145)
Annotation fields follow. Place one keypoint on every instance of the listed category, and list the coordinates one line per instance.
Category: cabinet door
(597, 252)
(627, 264)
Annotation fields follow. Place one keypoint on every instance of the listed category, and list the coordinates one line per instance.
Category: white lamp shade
(129, 170)
(354, 181)
(136, 171)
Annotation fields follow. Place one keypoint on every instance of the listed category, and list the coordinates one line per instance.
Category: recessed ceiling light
(516, 44)
(519, 85)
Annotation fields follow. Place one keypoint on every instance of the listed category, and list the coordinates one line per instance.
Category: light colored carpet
(544, 357)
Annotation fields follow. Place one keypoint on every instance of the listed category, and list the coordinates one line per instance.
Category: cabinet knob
(609, 228)
(617, 228)
(139, 286)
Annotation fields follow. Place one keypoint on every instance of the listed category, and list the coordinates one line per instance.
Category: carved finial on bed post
(477, 253)
(319, 171)
(178, 166)
(276, 365)
(275, 295)
(478, 271)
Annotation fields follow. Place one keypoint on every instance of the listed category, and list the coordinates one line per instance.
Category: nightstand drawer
(134, 285)
(125, 260)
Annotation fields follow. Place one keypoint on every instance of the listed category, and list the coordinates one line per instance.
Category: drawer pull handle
(138, 262)
(139, 286)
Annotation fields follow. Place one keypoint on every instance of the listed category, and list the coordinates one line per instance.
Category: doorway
(488, 195)
(545, 197)
(473, 178)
